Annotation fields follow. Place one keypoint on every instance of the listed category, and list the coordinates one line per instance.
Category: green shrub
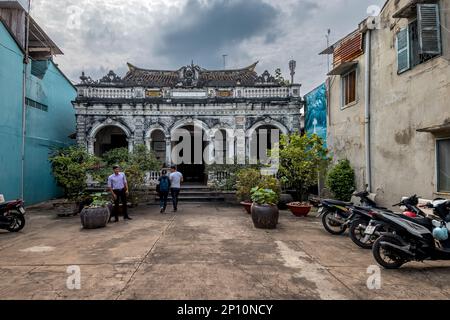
(247, 179)
(341, 180)
(302, 157)
(70, 167)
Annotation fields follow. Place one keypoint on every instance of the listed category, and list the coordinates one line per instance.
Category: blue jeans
(175, 192)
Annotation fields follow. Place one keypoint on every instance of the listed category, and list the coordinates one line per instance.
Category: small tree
(341, 180)
(70, 167)
(280, 79)
(301, 159)
(134, 165)
(145, 159)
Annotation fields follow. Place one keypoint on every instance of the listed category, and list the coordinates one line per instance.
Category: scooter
(409, 241)
(337, 216)
(12, 215)
(358, 226)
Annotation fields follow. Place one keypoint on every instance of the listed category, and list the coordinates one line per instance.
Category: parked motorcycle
(337, 215)
(410, 241)
(12, 216)
(358, 226)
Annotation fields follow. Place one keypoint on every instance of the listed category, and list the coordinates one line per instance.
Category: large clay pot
(265, 216)
(94, 218)
(284, 200)
(247, 206)
(66, 208)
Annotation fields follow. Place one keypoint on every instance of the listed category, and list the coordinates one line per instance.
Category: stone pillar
(211, 150)
(91, 145)
(130, 144)
(168, 151)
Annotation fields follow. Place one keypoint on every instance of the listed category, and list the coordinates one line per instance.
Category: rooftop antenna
(224, 61)
(328, 45)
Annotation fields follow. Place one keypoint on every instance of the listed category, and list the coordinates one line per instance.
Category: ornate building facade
(148, 106)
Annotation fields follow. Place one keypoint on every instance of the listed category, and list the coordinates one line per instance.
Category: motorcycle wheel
(333, 227)
(17, 224)
(386, 258)
(356, 232)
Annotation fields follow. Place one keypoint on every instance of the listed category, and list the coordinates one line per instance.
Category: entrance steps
(196, 194)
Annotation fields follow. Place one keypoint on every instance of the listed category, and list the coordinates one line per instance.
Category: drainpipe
(367, 86)
(24, 104)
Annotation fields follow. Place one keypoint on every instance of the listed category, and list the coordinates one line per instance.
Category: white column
(91, 145)
(168, 151)
(130, 145)
(148, 144)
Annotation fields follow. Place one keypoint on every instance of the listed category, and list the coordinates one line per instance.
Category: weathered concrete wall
(403, 160)
(46, 131)
(346, 125)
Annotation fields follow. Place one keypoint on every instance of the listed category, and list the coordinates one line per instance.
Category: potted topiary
(264, 210)
(97, 214)
(302, 157)
(70, 166)
(246, 180)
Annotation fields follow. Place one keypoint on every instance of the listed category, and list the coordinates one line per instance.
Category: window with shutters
(443, 165)
(349, 88)
(421, 40)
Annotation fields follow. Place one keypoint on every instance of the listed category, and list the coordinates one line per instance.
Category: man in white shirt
(176, 179)
(118, 186)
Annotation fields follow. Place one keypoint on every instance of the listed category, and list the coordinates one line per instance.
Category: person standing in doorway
(163, 189)
(118, 186)
(176, 179)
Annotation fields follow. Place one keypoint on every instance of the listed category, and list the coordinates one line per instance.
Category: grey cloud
(205, 32)
(167, 34)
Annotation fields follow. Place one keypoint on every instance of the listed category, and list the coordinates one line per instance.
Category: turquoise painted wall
(11, 74)
(46, 130)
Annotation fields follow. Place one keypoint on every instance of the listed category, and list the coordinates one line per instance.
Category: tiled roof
(192, 76)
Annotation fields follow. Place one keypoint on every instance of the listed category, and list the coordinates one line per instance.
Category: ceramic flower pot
(265, 216)
(299, 209)
(94, 218)
(247, 206)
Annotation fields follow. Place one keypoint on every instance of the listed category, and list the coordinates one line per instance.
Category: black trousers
(163, 196)
(175, 192)
(121, 196)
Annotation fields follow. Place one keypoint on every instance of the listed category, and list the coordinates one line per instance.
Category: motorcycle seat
(5, 204)
(338, 203)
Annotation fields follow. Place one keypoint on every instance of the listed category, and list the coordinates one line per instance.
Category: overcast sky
(101, 35)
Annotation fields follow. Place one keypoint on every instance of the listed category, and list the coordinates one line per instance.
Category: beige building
(389, 100)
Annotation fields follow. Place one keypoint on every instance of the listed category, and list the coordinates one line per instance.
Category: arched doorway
(188, 150)
(261, 140)
(109, 138)
(158, 144)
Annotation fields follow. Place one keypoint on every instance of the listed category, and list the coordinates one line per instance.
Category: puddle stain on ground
(309, 270)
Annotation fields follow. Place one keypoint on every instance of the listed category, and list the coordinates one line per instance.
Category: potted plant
(70, 166)
(97, 214)
(247, 179)
(302, 157)
(299, 209)
(264, 210)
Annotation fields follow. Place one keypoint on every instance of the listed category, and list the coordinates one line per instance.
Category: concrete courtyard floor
(204, 251)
